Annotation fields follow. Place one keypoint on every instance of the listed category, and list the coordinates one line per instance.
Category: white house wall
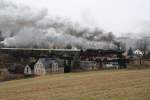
(39, 69)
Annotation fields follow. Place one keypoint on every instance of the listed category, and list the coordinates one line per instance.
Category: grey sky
(119, 16)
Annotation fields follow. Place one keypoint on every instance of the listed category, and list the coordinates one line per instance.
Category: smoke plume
(22, 26)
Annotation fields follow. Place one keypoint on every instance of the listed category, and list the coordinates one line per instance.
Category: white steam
(22, 26)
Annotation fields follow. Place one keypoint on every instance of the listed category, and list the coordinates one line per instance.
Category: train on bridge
(76, 58)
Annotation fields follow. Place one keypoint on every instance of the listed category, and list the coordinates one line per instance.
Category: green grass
(95, 85)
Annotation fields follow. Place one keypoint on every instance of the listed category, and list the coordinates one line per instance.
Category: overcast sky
(118, 16)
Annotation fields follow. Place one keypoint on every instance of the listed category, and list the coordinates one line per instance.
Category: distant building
(47, 66)
(138, 52)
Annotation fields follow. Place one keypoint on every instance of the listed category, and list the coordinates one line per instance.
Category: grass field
(95, 85)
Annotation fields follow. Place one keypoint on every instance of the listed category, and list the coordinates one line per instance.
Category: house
(138, 52)
(27, 70)
(138, 55)
(47, 66)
